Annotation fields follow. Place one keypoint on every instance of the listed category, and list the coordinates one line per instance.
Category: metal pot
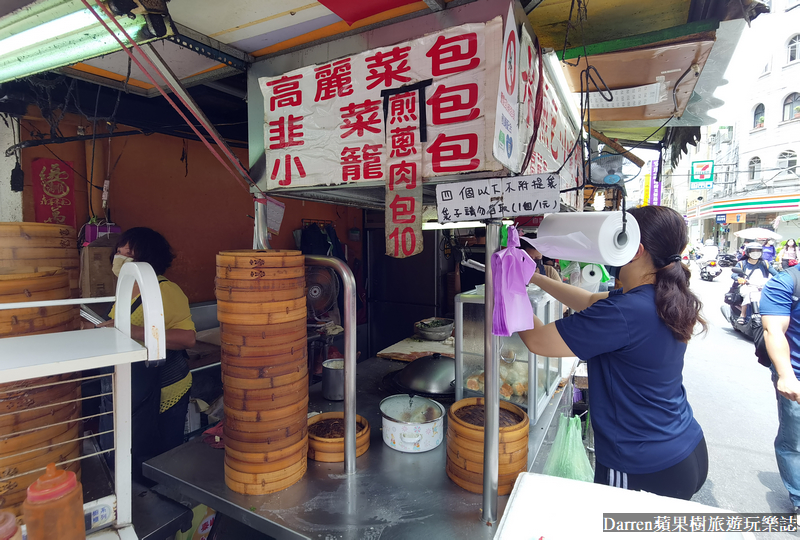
(333, 379)
(412, 423)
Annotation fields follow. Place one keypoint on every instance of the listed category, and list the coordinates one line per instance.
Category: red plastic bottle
(8, 527)
(54, 507)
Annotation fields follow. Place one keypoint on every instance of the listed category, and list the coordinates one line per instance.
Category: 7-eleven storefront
(718, 220)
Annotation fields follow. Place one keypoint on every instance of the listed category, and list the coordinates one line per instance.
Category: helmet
(753, 246)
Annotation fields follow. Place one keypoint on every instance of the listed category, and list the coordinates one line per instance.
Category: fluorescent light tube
(48, 31)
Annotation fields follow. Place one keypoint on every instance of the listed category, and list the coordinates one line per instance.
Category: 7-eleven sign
(702, 175)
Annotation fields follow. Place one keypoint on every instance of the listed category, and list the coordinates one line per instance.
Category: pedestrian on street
(782, 337)
(768, 253)
(634, 340)
(787, 256)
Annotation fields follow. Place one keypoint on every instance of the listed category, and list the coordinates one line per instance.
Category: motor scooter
(726, 260)
(709, 270)
(732, 312)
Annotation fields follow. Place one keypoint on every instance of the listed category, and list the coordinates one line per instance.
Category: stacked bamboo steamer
(41, 244)
(261, 307)
(39, 418)
(465, 445)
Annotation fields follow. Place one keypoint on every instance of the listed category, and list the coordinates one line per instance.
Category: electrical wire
(94, 143)
(637, 145)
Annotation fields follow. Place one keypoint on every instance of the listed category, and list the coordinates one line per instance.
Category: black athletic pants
(680, 481)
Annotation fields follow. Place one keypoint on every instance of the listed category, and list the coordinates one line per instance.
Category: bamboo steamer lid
(278, 402)
(265, 487)
(262, 308)
(266, 416)
(229, 378)
(63, 242)
(27, 263)
(266, 361)
(476, 448)
(24, 407)
(267, 393)
(260, 274)
(29, 229)
(267, 477)
(265, 441)
(263, 331)
(54, 455)
(260, 319)
(14, 443)
(270, 456)
(29, 280)
(34, 384)
(242, 367)
(266, 351)
(37, 324)
(264, 467)
(275, 429)
(260, 285)
(261, 258)
(25, 314)
(258, 341)
(60, 293)
(38, 253)
(250, 296)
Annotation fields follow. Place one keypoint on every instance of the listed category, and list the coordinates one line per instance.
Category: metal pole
(491, 434)
(349, 320)
(459, 343)
(261, 237)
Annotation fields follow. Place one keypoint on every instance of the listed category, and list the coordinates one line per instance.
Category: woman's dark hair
(664, 235)
(792, 241)
(148, 246)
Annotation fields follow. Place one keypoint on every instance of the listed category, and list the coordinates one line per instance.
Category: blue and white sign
(721, 218)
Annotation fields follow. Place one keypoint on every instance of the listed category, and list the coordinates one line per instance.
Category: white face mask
(755, 255)
(119, 260)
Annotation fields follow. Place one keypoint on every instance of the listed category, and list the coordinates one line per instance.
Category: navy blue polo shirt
(776, 299)
(642, 420)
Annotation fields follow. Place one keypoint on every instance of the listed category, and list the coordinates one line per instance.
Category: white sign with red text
(506, 146)
(555, 141)
(339, 123)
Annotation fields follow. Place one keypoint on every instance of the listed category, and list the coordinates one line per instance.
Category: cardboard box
(93, 232)
(97, 279)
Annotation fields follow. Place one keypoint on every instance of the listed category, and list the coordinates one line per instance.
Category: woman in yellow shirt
(160, 394)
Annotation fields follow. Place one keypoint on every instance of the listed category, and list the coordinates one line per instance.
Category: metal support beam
(491, 367)
(640, 40)
(436, 5)
(211, 48)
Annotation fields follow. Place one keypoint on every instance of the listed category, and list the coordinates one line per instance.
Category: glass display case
(526, 379)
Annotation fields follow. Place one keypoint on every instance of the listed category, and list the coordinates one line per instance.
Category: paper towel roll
(591, 274)
(590, 237)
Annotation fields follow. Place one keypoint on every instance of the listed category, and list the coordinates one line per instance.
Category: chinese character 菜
(355, 119)
(387, 67)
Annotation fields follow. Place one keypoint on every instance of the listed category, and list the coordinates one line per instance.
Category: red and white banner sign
(53, 191)
(554, 142)
(331, 124)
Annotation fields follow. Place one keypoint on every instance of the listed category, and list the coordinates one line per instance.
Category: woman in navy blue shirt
(634, 340)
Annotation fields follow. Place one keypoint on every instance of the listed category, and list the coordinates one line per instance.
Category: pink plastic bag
(512, 269)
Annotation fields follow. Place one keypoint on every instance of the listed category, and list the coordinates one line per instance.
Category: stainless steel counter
(393, 494)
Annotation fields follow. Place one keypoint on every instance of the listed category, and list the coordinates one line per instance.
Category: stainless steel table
(393, 495)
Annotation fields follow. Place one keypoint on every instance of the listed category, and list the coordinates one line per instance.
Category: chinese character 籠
(403, 108)
(387, 67)
(287, 179)
(354, 121)
(403, 209)
(403, 141)
(333, 80)
(406, 173)
(454, 54)
(452, 104)
(286, 92)
(284, 134)
(448, 154)
(358, 163)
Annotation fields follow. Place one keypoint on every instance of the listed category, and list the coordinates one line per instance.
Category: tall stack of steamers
(261, 307)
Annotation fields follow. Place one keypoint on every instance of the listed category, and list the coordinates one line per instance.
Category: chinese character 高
(285, 92)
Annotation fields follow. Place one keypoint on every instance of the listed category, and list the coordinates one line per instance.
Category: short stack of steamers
(261, 307)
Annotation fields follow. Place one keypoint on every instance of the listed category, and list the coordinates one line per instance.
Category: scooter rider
(757, 274)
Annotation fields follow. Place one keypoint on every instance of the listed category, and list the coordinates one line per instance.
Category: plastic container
(54, 507)
(8, 527)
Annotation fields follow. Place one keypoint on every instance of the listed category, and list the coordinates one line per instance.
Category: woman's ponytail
(664, 237)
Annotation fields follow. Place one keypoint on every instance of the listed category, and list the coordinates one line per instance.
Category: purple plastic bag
(512, 269)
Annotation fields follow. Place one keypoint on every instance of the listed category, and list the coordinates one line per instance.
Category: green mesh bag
(567, 457)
